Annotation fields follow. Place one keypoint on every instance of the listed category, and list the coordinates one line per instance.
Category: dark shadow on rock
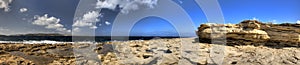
(234, 42)
(105, 48)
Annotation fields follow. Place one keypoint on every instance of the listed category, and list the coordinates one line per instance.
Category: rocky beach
(247, 43)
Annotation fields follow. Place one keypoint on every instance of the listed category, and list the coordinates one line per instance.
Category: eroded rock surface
(284, 34)
(252, 32)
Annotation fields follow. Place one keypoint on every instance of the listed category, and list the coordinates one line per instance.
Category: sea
(70, 39)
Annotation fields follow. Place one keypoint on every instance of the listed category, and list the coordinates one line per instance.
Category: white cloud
(272, 22)
(76, 29)
(126, 5)
(93, 27)
(88, 20)
(4, 4)
(69, 31)
(107, 23)
(298, 21)
(82, 24)
(110, 4)
(54, 26)
(23, 10)
(3, 31)
(49, 23)
(254, 18)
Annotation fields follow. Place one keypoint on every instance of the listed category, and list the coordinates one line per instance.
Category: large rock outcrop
(251, 32)
(248, 30)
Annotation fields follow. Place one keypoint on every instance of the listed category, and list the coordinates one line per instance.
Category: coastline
(247, 43)
(141, 52)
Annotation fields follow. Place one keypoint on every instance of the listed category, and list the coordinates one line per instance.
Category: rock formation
(252, 32)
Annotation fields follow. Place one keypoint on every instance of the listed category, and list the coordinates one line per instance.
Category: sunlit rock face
(250, 24)
(248, 30)
(251, 32)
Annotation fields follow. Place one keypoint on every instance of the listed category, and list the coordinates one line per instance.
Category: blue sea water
(79, 38)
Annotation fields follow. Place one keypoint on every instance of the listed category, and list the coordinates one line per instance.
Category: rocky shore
(152, 52)
(247, 43)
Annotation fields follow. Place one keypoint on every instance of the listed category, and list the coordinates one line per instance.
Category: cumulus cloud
(126, 5)
(110, 4)
(298, 21)
(23, 10)
(88, 20)
(49, 23)
(4, 4)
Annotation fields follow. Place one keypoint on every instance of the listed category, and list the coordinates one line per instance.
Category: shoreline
(170, 51)
(247, 43)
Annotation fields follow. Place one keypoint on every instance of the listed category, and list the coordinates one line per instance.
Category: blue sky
(234, 11)
(265, 10)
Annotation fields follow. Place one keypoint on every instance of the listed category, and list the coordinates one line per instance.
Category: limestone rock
(250, 24)
(252, 32)
(247, 30)
(285, 33)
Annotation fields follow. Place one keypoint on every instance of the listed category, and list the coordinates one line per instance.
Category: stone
(169, 59)
(250, 24)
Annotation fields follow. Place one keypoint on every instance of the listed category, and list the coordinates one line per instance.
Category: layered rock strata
(252, 32)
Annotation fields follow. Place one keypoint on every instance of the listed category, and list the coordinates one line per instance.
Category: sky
(142, 17)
